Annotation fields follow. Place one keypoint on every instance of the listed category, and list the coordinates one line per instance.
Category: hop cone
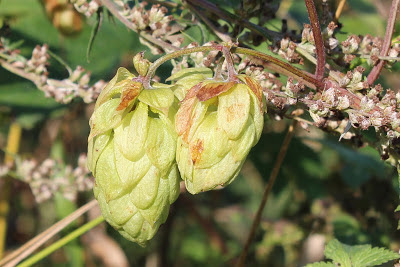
(217, 125)
(131, 152)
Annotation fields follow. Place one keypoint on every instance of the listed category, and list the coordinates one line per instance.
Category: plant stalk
(153, 67)
(25, 250)
(60, 243)
(339, 10)
(282, 67)
(267, 191)
(13, 141)
(319, 42)
(387, 42)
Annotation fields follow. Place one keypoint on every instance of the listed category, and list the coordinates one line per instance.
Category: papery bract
(131, 153)
(217, 123)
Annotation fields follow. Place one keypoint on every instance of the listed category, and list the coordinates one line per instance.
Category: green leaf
(336, 252)
(368, 256)
(360, 255)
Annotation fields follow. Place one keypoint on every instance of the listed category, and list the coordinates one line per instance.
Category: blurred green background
(325, 188)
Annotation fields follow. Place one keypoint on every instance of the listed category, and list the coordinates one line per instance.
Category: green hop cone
(217, 125)
(131, 152)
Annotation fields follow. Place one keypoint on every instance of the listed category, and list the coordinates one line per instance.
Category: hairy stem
(63, 241)
(230, 65)
(13, 140)
(25, 250)
(153, 67)
(319, 42)
(387, 42)
(282, 67)
(267, 191)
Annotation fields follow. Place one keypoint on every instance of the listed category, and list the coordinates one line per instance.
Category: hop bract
(131, 153)
(217, 125)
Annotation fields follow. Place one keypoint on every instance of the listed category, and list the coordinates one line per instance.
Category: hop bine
(139, 139)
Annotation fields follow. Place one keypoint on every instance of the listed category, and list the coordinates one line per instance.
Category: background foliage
(326, 189)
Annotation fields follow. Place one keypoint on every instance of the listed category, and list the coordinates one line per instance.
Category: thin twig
(114, 10)
(29, 247)
(339, 10)
(319, 42)
(267, 191)
(213, 8)
(164, 3)
(387, 42)
(223, 36)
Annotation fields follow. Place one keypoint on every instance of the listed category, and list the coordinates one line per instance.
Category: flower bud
(131, 152)
(141, 64)
(217, 125)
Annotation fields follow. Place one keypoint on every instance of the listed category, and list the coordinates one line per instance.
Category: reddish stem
(319, 42)
(387, 42)
(282, 67)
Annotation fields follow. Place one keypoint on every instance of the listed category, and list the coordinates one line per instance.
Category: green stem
(50, 249)
(282, 67)
(153, 67)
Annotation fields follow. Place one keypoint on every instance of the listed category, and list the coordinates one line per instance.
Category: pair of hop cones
(144, 141)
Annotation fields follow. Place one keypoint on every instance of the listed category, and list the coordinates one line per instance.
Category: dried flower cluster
(35, 69)
(347, 98)
(157, 30)
(52, 176)
(155, 22)
(88, 8)
(198, 59)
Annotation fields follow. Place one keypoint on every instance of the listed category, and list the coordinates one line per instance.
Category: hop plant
(217, 123)
(131, 153)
